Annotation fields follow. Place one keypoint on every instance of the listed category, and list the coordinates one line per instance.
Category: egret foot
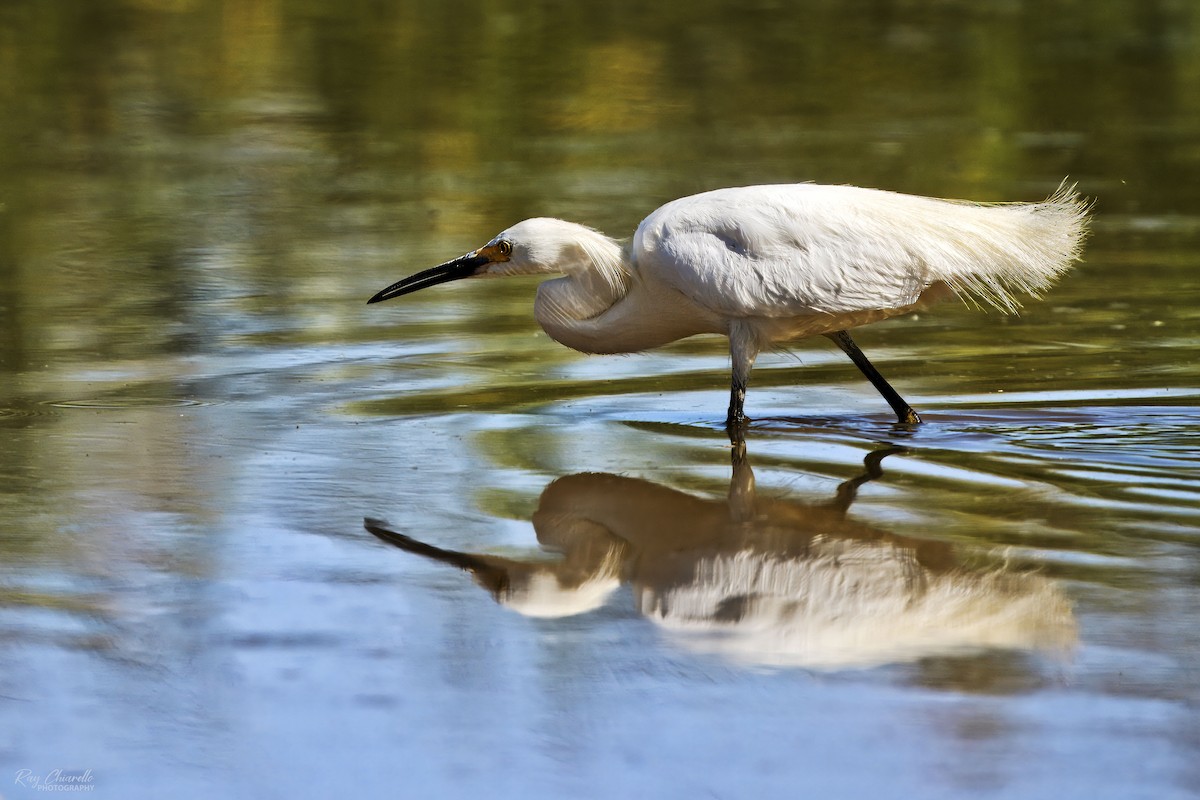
(737, 439)
(735, 428)
(736, 420)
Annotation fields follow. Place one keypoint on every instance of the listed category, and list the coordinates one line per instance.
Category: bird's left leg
(904, 412)
(743, 349)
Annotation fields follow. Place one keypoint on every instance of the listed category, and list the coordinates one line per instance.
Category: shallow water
(198, 412)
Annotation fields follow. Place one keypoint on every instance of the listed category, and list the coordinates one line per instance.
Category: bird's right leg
(904, 412)
(743, 349)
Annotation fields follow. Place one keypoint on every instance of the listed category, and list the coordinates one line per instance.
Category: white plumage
(805, 249)
(768, 264)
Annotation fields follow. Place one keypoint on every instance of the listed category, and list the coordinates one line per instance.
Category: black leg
(736, 418)
(743, 349)
(904, 411)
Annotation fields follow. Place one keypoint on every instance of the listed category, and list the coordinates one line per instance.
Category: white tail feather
(993, 252)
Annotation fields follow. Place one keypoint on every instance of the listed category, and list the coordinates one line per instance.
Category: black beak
(462, 267)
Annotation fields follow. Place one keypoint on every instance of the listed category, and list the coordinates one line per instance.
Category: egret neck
(595, 268)
(596, 275)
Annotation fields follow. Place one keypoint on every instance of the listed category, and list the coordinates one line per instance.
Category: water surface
(600, 598)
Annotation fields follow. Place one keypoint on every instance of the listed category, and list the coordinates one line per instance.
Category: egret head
(533, 247)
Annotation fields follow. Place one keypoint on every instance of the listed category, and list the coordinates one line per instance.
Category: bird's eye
(504, 247)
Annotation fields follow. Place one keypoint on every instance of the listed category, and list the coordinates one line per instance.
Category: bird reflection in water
(762, 580)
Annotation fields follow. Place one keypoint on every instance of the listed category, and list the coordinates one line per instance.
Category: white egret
(769, 264)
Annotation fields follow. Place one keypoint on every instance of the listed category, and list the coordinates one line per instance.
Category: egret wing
(775, 251)
(778, 251)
